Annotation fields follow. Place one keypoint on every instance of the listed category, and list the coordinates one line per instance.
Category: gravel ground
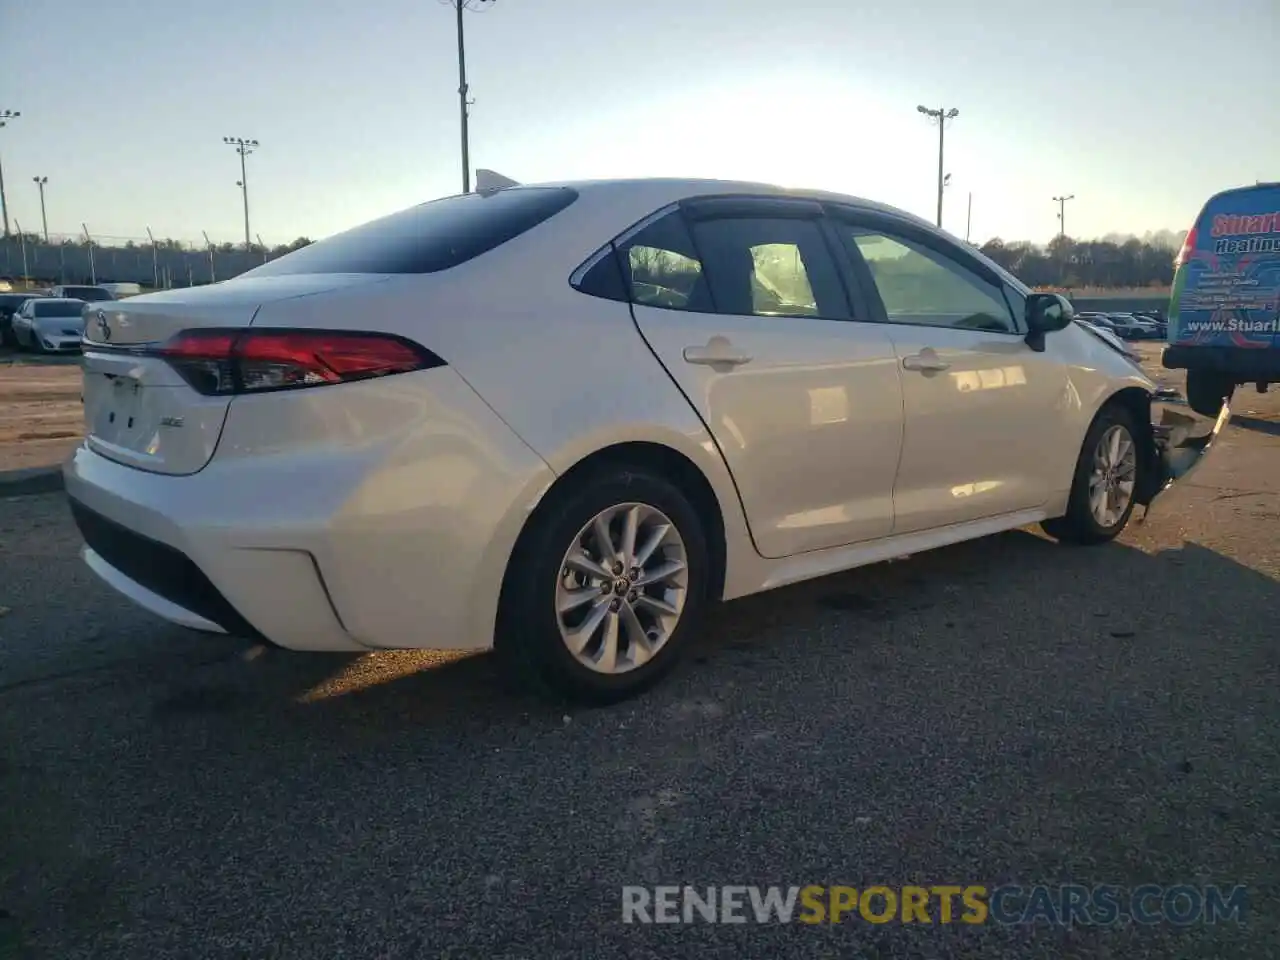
(1004, 711)
(41, 419)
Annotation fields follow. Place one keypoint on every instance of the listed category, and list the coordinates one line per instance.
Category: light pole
(44, 221)
(941, 115)
(5, 117)
(209, 243)
(93, 270)
(1062, 213)
(244, 148)
(155, 261)
(968, 222)
(460, 7)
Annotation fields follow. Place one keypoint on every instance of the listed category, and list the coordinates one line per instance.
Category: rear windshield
(58, 308)
(427, 238)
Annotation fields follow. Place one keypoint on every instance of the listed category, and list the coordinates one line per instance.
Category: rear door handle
(925, 361)
(718, 352)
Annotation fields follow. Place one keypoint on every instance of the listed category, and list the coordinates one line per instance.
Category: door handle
(926, 362)
(718, 352)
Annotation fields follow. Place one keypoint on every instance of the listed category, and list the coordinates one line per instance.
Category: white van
(119, 290)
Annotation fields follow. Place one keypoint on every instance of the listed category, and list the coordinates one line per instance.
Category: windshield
(87, 293)
(59, 308)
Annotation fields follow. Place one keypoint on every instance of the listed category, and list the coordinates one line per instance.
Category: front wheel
(604, 588)
(1206, 391)
(1107, 476)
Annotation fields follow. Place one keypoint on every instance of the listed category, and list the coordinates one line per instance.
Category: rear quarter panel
(567, 372)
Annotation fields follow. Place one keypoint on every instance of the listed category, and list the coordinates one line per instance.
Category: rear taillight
(1188, 247)
(223, 362)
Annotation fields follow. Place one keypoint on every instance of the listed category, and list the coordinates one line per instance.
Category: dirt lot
(40, 413)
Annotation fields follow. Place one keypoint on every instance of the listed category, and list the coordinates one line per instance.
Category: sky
(1141, 110)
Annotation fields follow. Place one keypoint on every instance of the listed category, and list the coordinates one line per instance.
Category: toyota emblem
(103, 326)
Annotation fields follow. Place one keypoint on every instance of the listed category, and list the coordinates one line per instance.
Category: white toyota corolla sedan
(559, 420)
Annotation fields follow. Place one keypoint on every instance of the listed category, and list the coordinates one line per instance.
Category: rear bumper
(190, 575)
(155, 575)
(1243, 364)
(388, 525)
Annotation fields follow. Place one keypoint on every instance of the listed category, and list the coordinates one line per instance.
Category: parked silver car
(49, 324)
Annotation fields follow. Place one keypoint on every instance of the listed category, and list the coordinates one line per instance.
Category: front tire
(604, 589)
(1206, 391)
(1108, 474)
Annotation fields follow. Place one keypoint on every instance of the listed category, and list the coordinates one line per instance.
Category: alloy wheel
(1114, 476)
(622, 588)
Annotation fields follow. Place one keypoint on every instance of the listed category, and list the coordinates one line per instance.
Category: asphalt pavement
(1004, 711)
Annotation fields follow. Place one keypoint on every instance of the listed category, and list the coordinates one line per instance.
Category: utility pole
(244, 148)
(968, 220)
(44, 221)
(5, 117)
(461, 7)
(155, 261)
(22, 241)
(209, 243)
(1062, 213)
(93, 270)
(941, 115)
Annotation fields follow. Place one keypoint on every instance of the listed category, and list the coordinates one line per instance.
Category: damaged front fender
(1179, 443)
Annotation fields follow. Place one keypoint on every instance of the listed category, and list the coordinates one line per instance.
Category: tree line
(1112, 262)
(279, 250)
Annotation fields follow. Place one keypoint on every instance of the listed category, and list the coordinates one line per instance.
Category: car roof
(683, 188)
(608, 207)
(58, 299)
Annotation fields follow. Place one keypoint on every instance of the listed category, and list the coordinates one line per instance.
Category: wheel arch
(1136, 401)
(641, 455)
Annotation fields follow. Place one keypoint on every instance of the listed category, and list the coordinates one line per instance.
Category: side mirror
(1046, 313)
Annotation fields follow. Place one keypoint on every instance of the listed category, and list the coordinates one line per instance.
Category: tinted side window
(923, 287)
(604, 278)
(427, 238)
(663, 269)
(770, 268)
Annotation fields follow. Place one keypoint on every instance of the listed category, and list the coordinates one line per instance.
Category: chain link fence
(166, 263)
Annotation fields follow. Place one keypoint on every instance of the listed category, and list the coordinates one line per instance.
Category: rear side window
(429, 237)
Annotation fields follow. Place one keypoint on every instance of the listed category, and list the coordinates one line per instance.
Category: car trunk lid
(138, 410)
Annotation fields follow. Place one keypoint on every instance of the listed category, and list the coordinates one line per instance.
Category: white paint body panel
(823, 399)
(382, 514)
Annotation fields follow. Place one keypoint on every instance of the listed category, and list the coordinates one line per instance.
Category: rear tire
(1206, 391)
(632, 639)
(1109, 472)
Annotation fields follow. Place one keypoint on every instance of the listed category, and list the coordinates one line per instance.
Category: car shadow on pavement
(1256, 424)
(985, 595)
